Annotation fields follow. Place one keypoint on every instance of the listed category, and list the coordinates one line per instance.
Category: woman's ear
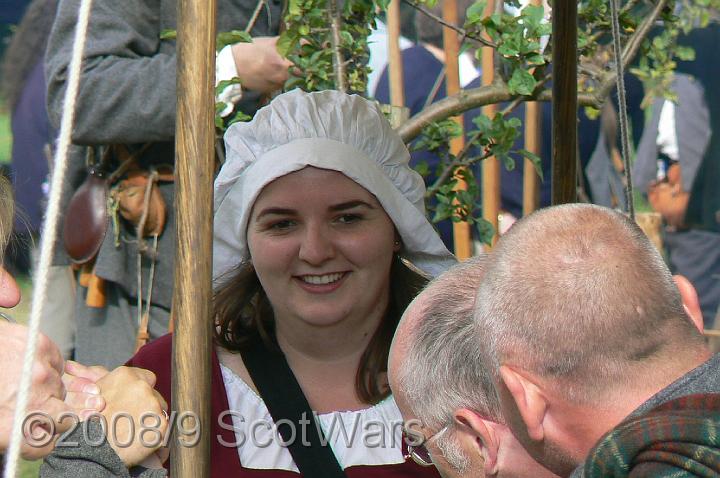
(398, 243)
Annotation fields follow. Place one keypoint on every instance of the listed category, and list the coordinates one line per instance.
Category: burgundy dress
(225, 460)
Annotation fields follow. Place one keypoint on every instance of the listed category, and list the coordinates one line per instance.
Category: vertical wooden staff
(195, 141)
(533, 125)
(491, 165)
(395, 66)
(451, 46)
(531, 179)
(564, 102)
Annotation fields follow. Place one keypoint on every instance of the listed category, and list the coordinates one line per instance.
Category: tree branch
(338, 63)
(632, 47)
(450, 170)
(498, 91)
(255, 15)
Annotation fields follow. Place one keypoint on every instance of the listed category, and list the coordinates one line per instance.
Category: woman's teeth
(323, 279)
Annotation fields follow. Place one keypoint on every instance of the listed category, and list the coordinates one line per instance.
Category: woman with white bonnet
(317, 215)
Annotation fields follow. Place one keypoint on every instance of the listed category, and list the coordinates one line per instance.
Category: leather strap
(285, 401)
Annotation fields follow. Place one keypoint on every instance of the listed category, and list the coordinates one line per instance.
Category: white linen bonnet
(327, 130)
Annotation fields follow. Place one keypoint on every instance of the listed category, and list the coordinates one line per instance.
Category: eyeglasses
(419, 453)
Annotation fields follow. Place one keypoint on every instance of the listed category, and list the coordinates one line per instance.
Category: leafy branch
(500, 91)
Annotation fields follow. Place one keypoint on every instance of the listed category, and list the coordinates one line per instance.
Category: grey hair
(577, 294)
(453, 454)
(442, 371)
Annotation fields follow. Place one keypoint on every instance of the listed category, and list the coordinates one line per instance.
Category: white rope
(48, 235)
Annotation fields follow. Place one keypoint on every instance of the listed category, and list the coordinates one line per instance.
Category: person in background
(440, 386)
(678, 167)
(23, 89)
(127, 99)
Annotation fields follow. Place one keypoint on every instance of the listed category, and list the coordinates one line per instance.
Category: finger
(48, 351)
(93, 373)
(63, 416)
(79, 401)
(46, 382)
(80, 385)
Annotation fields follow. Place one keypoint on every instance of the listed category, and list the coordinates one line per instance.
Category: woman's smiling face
(322, 247)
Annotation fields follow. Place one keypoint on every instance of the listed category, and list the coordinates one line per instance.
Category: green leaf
(534, 159)
(592, 113)
(422, 168)
(347, 37)
(168, 35)
(239, 116)
(483, 123)
(225, 83)
(294, 8)
(522, 82)
(287, 42)
(508, 161)
(485, 230)
(533, 14)
(535, 59)
(235, 36)
(476, 12)
(685, 53)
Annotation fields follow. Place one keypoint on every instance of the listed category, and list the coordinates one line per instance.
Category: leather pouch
(138, 195)
(86, 220)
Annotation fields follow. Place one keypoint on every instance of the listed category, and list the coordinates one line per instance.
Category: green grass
(29, 469)
(5, 135)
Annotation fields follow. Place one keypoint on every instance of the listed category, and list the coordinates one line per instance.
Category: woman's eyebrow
(350, 205)
(275, 210)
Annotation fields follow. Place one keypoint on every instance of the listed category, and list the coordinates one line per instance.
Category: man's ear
(479, 436)
(690, 301)
(529, 399)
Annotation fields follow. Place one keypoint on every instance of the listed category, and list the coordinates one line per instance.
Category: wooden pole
(192, 298)
(451, 45)
(533, 143)
(564, 102)
(531, 179)
(395, 66)
(491, 165)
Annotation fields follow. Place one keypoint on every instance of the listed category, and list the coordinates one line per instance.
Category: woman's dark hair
(26, 48)
(243, 313)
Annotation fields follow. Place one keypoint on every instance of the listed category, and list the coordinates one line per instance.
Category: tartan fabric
(680, 438)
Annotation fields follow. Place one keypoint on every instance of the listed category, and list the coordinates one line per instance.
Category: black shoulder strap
(291, 412)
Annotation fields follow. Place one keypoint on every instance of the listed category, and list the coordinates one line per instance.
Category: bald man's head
(578, 295)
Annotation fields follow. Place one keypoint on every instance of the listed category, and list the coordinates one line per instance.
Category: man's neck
(588, 423)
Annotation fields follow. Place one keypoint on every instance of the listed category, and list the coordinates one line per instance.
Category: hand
(260, 67)
(83, 394)
(129, 390)
(46, 393)
(670, 201)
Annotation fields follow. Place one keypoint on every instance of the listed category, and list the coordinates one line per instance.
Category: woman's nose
(317, 245)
